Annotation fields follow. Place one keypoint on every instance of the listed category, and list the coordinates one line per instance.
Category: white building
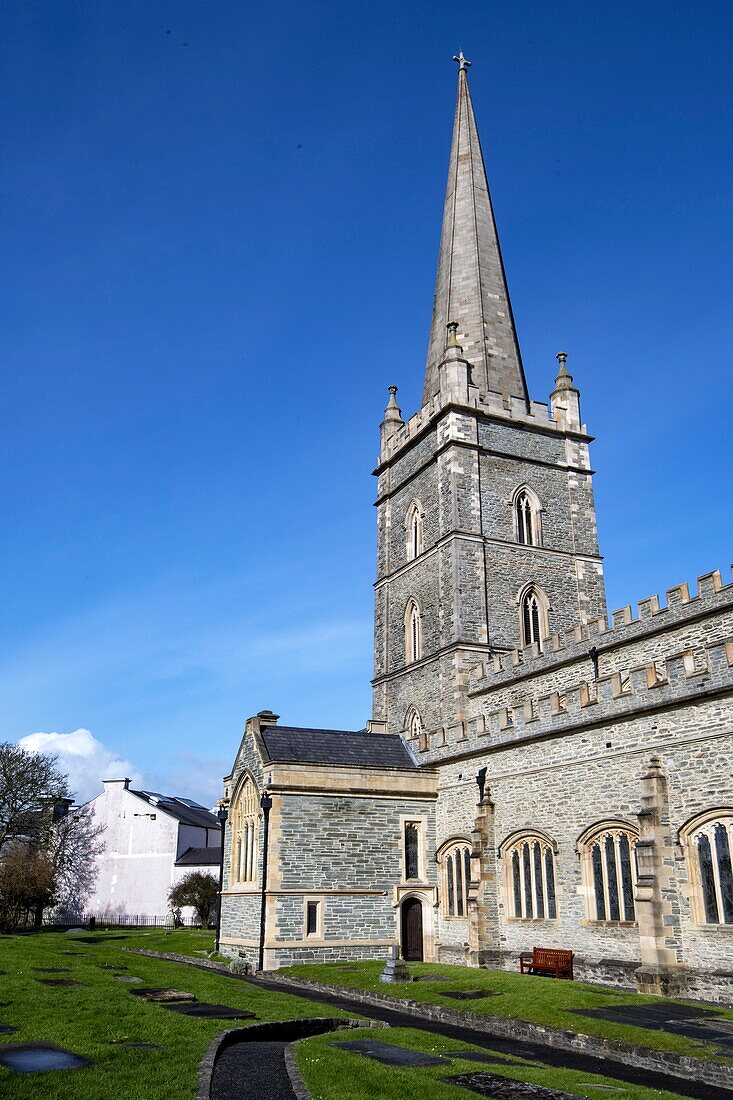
(150, 841)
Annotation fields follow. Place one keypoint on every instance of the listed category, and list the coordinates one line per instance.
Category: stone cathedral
(534, 773)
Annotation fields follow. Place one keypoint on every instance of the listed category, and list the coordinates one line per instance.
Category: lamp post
(222, 815)
(266, 806)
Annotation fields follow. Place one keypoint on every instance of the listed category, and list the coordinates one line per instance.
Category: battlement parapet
(690, 672)
(652, 615)
(504, 406)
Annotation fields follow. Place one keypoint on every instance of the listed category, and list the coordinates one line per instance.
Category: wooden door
(412, 930)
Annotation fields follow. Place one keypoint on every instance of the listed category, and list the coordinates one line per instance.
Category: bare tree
(58, 842)
(28, 780)
(199, 890)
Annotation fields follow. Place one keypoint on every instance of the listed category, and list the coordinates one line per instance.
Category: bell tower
(486, 527)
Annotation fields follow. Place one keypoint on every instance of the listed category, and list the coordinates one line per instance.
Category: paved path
(252, 1069)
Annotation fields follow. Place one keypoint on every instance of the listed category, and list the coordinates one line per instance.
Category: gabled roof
(199, 857)
(293, 744)
(183, 809)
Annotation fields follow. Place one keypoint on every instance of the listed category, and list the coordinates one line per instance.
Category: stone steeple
(470, 287)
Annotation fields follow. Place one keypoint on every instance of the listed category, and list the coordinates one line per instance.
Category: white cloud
(84, 759)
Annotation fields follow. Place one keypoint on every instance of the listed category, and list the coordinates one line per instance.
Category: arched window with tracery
(533, 617)
(527, 513)
(708, 839)
(244, 816)
(413, 632)
(608, 855)
(456, 861)
(414, 530)
(529, 877)
(414, 729)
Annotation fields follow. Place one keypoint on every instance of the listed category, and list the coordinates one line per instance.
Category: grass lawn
(358, 1077)
(96, 1018)
(93, 1018)
(522, 996)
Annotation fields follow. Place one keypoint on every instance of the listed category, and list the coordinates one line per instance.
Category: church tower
(486, 526)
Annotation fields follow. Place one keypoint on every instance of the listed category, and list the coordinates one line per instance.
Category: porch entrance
(412, 945)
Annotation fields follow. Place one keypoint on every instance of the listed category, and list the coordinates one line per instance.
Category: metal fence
(118, 920)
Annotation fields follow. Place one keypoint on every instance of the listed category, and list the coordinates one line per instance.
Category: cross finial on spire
(463, 65)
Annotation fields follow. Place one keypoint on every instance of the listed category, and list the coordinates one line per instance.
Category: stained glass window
(412, 851)
(627, 885)
(613, 908)
(725, 875)
(598, 883)
(458, 877)
(610, 863)
(531, 879)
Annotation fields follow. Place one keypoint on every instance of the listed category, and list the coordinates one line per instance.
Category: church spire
(470, 287)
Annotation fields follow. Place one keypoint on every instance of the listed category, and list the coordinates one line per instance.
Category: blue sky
(220, 226)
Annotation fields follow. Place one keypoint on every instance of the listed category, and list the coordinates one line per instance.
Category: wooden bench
(548, 961)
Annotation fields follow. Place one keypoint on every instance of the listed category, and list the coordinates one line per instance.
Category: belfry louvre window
(709, 842)
(245, 828)
(413, 632)
(610, 873)
(533, 617)
(456, 877)
(531, 879)
(524, 515)
(414, 526)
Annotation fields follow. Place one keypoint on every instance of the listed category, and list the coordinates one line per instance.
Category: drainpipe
(222, 815)
(266, 806)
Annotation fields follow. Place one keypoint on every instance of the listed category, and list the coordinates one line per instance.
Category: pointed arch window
(413, 632)
(527, 518)
(456, 861)
(708, 840)
(529, 865)
(608, 860)
(415, 530)
(244, 816)
(414, 729)
(533, 617)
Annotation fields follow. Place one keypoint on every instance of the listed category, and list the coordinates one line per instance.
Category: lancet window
(527, 518)
(413, 632)
(533, 617)
(415, 530)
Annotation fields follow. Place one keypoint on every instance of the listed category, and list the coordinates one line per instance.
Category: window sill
(609, 923)
(700, 927)
(531, 920)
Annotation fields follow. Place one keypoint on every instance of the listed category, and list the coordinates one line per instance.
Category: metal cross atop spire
(463, 65)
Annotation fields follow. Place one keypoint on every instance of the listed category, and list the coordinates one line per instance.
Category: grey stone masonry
(470, 287)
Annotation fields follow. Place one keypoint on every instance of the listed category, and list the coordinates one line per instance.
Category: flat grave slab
(210, 1011)
(389, 1055)
(126, 978)
(163, 996)
(468, 994)
(504, 1088)
(6, 1029)
(429, 978)
(676, 1019)
(39, 1057)
(59, 983)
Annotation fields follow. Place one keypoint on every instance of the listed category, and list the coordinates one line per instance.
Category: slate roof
(291, 744)
(197, 857)
(183, 809)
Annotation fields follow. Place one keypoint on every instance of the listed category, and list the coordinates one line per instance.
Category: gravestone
(396, 968)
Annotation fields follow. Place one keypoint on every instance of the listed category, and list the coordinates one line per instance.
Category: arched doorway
(412, 945)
